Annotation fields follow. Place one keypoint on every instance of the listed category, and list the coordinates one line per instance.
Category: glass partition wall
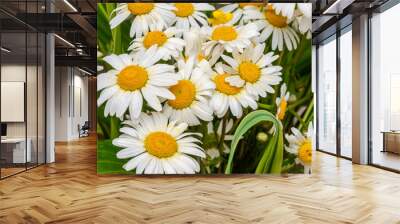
(334, 94)
(22, 77)
(327, 95)
(385, 90)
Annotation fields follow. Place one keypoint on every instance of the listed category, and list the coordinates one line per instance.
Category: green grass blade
(273, 154)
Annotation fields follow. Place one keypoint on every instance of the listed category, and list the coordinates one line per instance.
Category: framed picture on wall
(204, 88)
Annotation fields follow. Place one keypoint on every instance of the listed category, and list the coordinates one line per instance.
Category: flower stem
(266, 106)
(222, 137)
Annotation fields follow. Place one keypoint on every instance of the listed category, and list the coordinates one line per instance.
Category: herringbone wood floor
(69, 191)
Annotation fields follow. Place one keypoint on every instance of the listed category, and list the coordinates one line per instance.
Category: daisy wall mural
(198, 88)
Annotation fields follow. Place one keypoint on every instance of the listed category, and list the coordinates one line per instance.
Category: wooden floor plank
(70, 191)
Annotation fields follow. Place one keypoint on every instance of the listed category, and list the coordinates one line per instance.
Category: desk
(18, 151)
(391, 141)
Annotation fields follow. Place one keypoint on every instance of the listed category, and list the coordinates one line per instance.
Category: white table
(19, 155)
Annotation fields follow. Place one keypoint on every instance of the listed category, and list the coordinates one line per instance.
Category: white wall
(71, 87)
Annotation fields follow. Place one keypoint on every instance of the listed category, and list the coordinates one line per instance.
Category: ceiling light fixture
(70, 5)
(5, 50)
(64, 40)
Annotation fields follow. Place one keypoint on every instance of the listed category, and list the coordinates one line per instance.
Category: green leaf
(271, 160)
(107, 162)
(104, 37)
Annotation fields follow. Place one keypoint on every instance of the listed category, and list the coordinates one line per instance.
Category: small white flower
(272, 23)
(192, 93)
(227, 97)
(238, 11)
(228, 38)
(253, 70)
(157, 145)
(281, 102)
(303, 21)
(191, 15)
(132, 79)
(144, 16)
(167, 45)
(285, 9)
(301, 146)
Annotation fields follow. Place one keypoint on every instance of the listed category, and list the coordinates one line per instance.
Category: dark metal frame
(339, 32)
(44, 70)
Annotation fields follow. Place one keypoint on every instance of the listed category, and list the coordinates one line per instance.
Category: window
(346, 92)
(385, 89)
(327, 96)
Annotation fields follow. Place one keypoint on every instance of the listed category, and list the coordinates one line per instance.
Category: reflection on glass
(14, 153)
(327, 96)
(346, 94)
(385, 91)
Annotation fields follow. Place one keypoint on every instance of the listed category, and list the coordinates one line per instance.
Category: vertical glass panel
(346, 94)
(385, 91)
(327, 96)
(32, 98)
(13, 86)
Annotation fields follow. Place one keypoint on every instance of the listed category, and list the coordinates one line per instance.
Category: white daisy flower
(191, 15)
(166, 43)
(144, 15)
(229, 38)
(301, 146)
(229, 97)
(236, 11)
(272, 23)
(303, 21)
(192, 92)
(285, 9)
(194, 39)
(157, 145)
(132, 79)
(281, 102)
(254, 70)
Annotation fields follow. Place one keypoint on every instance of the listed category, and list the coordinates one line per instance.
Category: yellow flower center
(225, 33)
(282, 109)
(160, 144)
(185, 93)
(132, 78)
(242, 5)
(200, 57)
(249, 72)
(305, 152)
(220, 17)
(140, 8)
(184, 9)
(154, 37)
(222, 86)
(275, 19)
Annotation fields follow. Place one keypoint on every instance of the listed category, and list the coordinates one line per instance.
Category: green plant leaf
(271, 160)
(104, 37)
(107, 162)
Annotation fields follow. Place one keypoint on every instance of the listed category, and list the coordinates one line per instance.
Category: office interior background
(40, 71)
(48, 97)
